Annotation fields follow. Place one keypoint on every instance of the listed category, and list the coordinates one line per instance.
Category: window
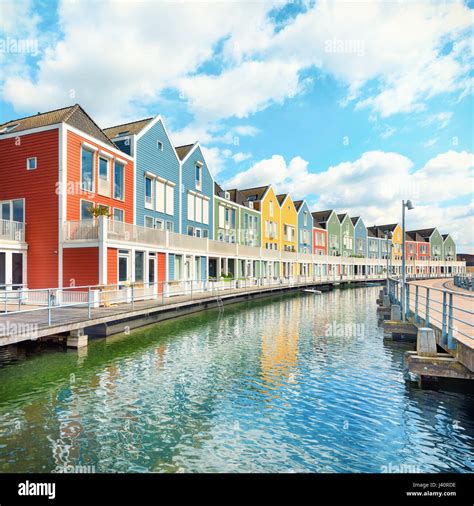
(205, 233)
(197, 232)
(87, 170)
(149, 222)
(104, 186)
(118, 214)
(305, 219)
(221, 216)
(31, 163)
(85, 206)
(178, 267)
(190, 230)
(118, 180)
(159, 145)
(148, 192)
(169, 226)
(18, 212)
(139, 266)
(271, 208)
(198, 174)
(123, 263)
(159, 224)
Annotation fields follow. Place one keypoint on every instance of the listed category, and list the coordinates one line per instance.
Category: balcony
(12, 231)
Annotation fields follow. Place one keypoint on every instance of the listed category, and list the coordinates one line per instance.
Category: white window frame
(103, 184)
(149, 205)
(28, 163)
(121, 211)
(93, 151)
(198, 165)
(159, 145)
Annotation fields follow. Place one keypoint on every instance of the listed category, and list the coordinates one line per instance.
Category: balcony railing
(12, 231)
(127, 232)
(81, 230)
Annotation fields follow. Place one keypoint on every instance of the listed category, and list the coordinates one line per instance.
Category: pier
(440, 318)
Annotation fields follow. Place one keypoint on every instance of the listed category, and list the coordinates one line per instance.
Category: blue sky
(352, 106)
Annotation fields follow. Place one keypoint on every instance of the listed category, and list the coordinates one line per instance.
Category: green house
(329, 221)
(435, 239)
(449, 247)
(347, 235)
(235, 220)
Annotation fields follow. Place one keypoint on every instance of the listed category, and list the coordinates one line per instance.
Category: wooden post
(426, 342)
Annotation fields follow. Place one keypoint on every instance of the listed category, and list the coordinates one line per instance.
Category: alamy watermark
(11, 329)
(19, 46)
(336, 329)
(344, 46)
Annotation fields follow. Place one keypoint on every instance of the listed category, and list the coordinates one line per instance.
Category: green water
(298, 383)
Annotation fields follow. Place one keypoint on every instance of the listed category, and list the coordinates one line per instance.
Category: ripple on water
(263, 387)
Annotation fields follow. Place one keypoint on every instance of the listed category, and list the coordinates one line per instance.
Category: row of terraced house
(81, 205)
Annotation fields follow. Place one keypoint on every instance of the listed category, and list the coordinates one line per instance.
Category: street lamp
(408, 204)
(387, 234)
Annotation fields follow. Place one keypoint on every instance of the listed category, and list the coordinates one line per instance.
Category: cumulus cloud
(374, 185)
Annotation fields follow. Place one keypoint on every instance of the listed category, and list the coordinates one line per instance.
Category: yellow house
(288, 233)
(264, 200)
(396, 232)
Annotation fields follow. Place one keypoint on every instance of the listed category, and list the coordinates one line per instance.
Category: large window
(148, 192)
(123, 263)
(139, 266)
(85, 206)
(118, 214)
(198, 175)
(198, 208)
(119, 180)
(87, 170)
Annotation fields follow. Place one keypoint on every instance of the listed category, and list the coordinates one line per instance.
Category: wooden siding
(80, 266)
(38, 188)
(75, 194)
(112, 266)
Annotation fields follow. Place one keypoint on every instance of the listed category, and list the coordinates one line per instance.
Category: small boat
(309, 290)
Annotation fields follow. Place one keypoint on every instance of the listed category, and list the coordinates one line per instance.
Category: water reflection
(296, 383)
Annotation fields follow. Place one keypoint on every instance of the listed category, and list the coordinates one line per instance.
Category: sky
(351, 105)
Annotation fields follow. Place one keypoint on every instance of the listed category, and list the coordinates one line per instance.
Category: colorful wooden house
(449, 248)
(305, 227)
(433, 238)
(360, 237)
(64, 167)
(329, 221)
(347, 235)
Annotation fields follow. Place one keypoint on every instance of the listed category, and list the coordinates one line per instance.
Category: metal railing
(45, 304)
(465, 281)
(449, 311)
(12, 230)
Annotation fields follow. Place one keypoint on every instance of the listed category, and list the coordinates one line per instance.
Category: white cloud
(240, 156)
(160, 48)
(441, 119)
(374, 185)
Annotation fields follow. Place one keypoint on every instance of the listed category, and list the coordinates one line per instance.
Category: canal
(297, 383)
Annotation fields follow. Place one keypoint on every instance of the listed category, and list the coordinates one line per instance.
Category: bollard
(386, 301)
(395, 314)
(426, 342)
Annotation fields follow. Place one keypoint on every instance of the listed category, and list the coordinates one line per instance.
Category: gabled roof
(321, 217)
(133, 128)
(298, 204)
(218, 189)
(355, 219)
(414, 236)
(425, 233)
(255, 194)
(183, 151)
(341, 217)
(73, 115)
(237, 196)
(445, 236)
(390, 227)
(282, 197)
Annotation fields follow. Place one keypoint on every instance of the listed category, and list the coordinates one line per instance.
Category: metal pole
(427, 313)
(89, 302)
(443, 325)
(133, 297)
(403, 301)
(49, 307)
(451, 342)
(416, 303)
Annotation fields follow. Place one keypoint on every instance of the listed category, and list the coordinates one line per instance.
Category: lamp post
(408, 204)
(387, 235)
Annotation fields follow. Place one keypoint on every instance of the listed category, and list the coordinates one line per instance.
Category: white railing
(127, 232)
(12, 231)
(187, 242)
(81, 230)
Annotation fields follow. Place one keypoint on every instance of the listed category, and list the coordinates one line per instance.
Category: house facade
(329, 221)
(360, 237)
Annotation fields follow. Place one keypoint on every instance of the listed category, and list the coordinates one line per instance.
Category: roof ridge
(38, 114)
(128, 123)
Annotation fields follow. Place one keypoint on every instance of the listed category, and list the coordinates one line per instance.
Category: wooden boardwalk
(27, 325)
(463, 322)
